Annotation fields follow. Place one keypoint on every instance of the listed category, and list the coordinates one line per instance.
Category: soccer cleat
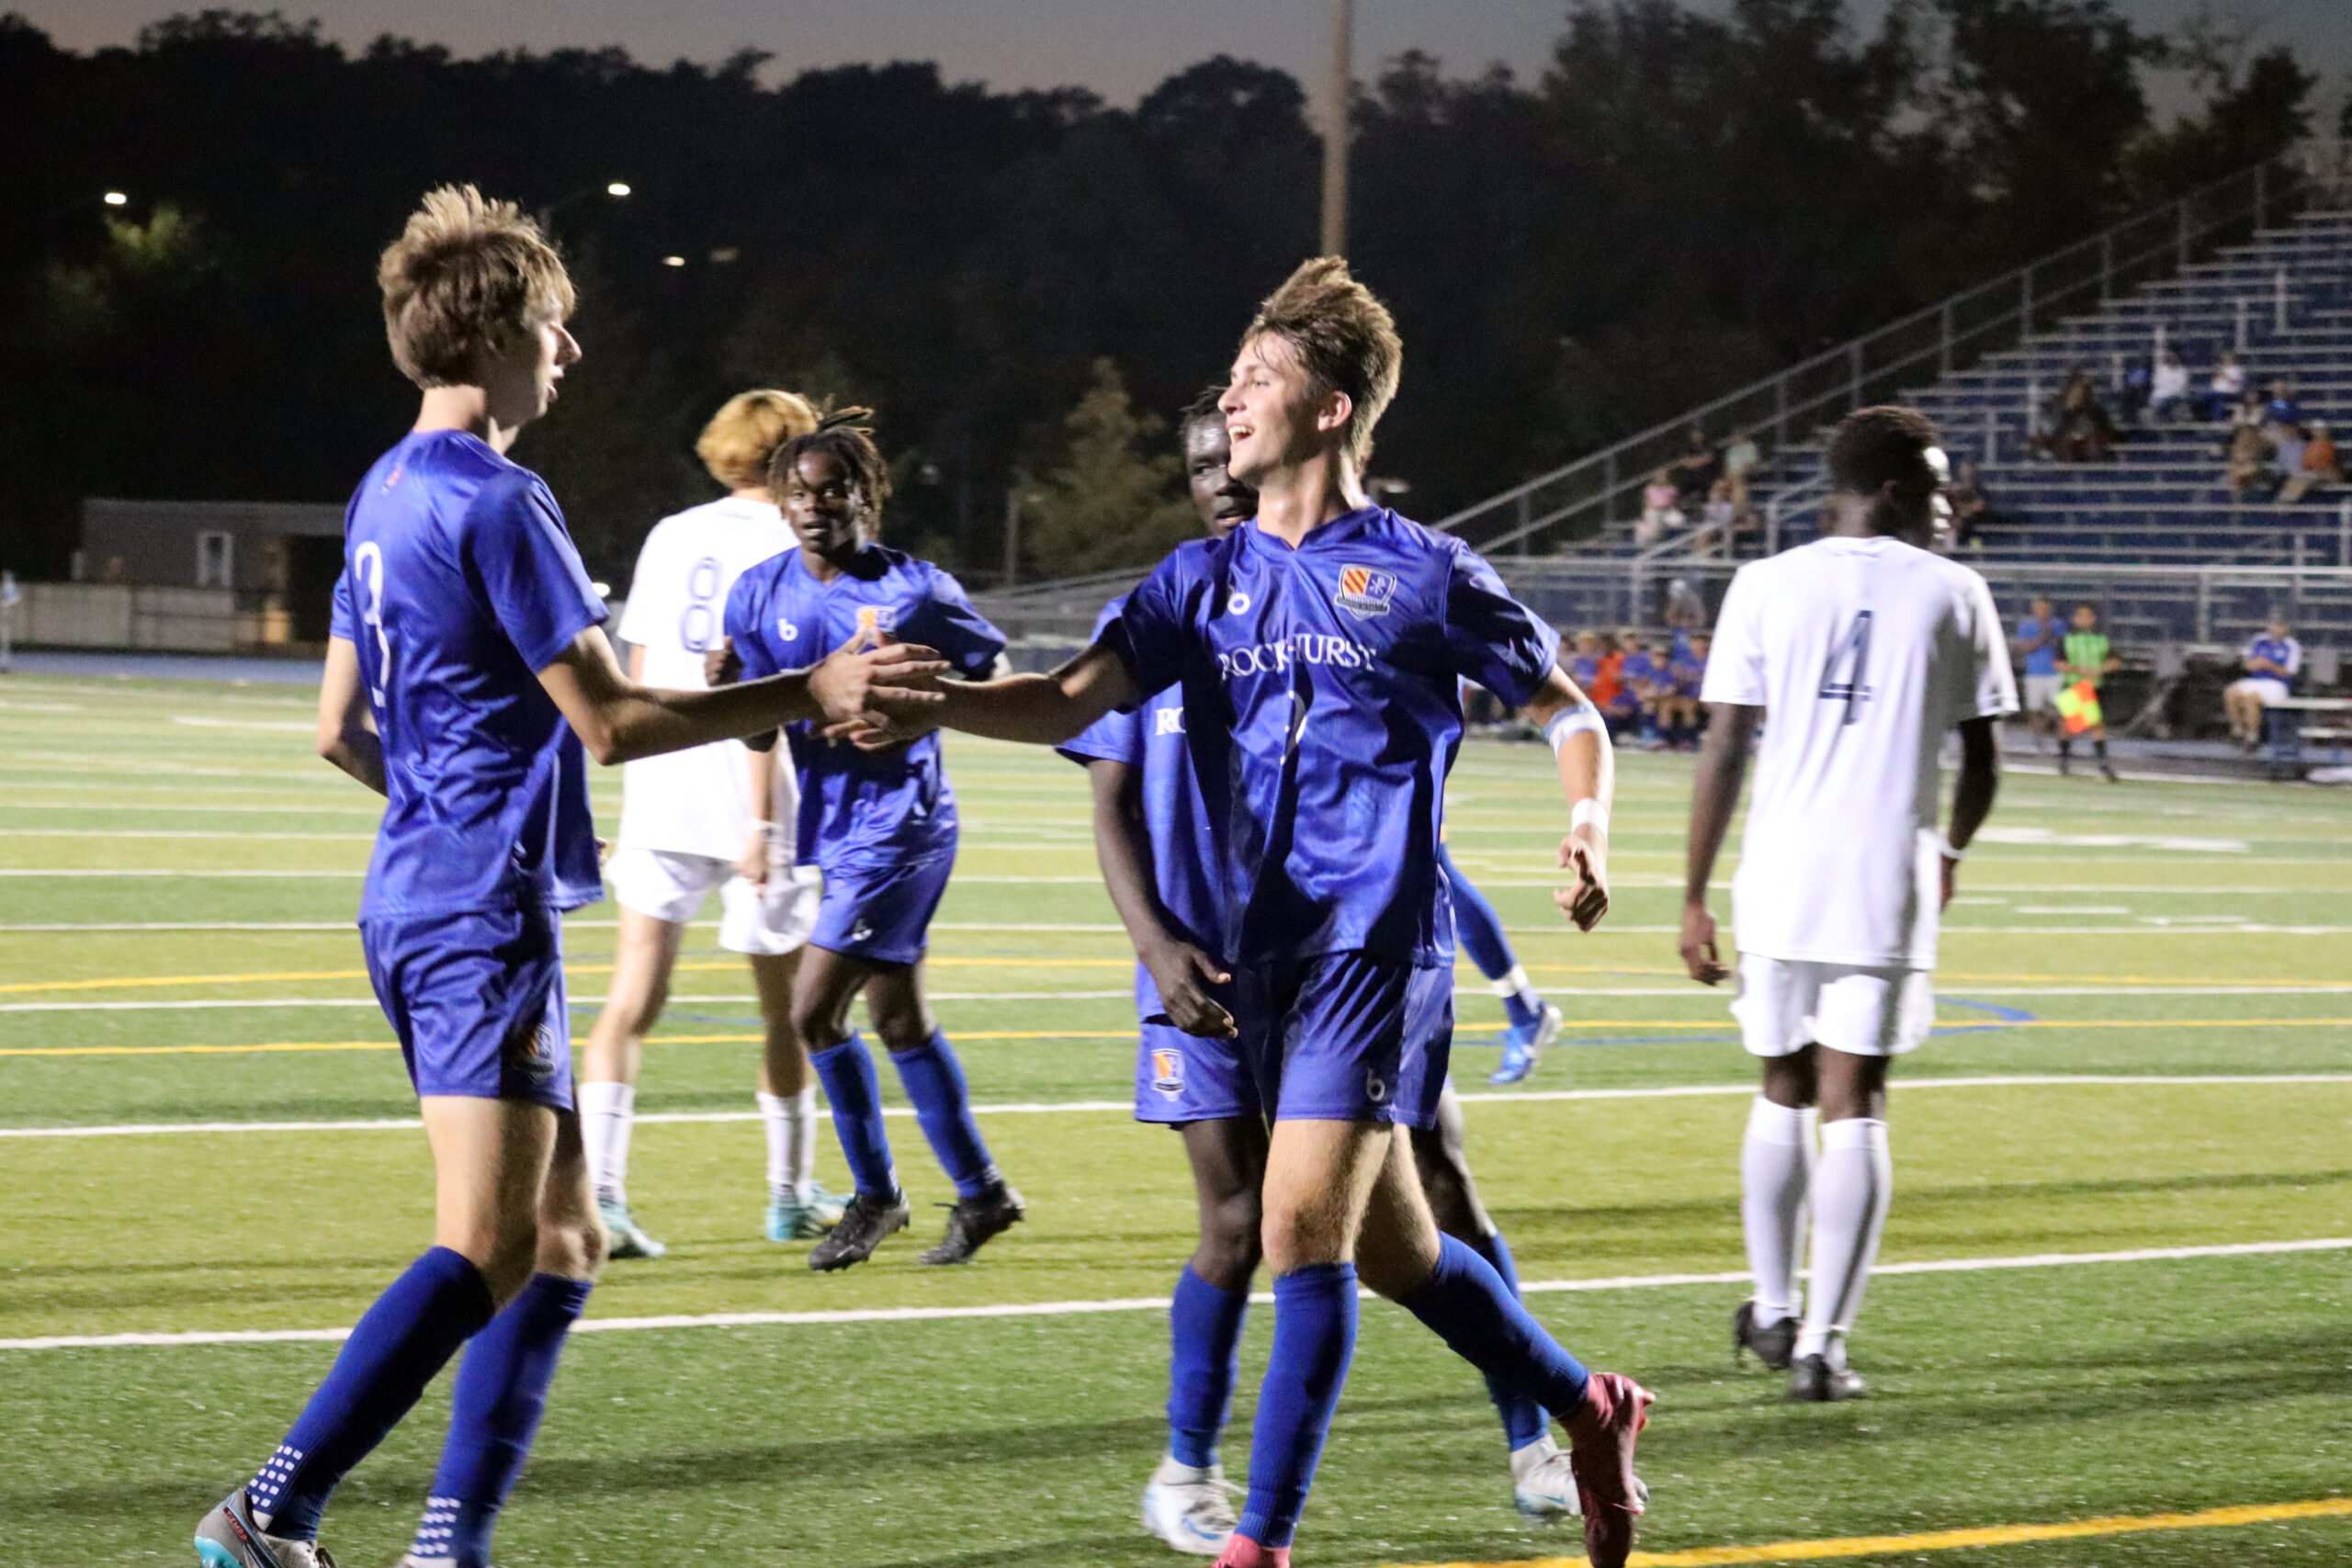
(1190, 1508)
(791, 1220)
(1521, 1047)
(1812, 1380)
(2107, 772)
(1240, 1551)
(1774, 1343)
(227, 1536)
(864, 1224)
(1542, 1484)
(973, 1221)
(1601, 1436)
(623, 1238)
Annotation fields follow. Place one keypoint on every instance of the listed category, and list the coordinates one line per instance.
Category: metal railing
(1584, 497)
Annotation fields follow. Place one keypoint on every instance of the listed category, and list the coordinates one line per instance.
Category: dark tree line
(1679, 203)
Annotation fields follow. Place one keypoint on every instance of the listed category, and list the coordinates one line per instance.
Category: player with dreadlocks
(882, 827)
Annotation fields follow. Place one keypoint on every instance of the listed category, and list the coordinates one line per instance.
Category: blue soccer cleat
(1524, 1048)
(792, 1220)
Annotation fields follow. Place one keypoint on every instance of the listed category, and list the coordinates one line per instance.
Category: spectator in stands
(1972, 508)
(2320, 466)
(2085, 658)
(1620, 708)
(2282, 422)
(2041, 637)
(1685, 672)
(1716, 520)
(2249, 469)
(2169, 389)
(1583, 662)
(1740, 459)
(1685, 611)
(1696, 471)
(2080, 430)
(1660, 512)
(2135, 386)
(2272, 663)
(2226, 387)
(1644, 673)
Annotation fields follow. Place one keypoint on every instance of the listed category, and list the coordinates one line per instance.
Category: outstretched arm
(619, 719)
(1588, 766)
(1122, 844)
(1039, 710)
(1714, 795)
(347, 734)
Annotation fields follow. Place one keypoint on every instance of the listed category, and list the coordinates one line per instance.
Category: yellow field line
(200, 1050)
(1952, 1540)
(125, 980)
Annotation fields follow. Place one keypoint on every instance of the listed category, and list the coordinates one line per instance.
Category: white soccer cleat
(1190, 1508)
(1542, 1484)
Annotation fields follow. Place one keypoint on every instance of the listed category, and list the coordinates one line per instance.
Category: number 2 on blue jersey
(1844, 679)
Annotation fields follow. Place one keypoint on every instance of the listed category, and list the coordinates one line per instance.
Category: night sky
(1119, 47)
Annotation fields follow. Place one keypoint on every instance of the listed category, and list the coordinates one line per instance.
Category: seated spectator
(2224, 390)
(2080, 430)
(1644, 673)
(1716, 520)
(2272, 663)
(1620, 708)
(1696, 469)
(1583, 662)
(1972, 508)
(1685, 670)
(1660, 515)
(2249, 469)
(2134, 388)
(1740, 459)
(2282, 422)
(2169, 389)
(1684, 609)
(2319, 468)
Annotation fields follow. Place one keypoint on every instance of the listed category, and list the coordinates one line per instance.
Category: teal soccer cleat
(625, 1239)
(1524, 1048)
(228, 1537)
(791, 1221)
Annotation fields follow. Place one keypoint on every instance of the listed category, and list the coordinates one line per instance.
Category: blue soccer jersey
(861, 810)
(1321, 700)
(460, 584)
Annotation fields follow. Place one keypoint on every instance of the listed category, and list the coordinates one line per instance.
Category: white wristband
(1590, 810)
(1943, 848)
(1572, 721)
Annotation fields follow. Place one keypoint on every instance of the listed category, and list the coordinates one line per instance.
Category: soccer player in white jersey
(714, 817)
(1866, 651)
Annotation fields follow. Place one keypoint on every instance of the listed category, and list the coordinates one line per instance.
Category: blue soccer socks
(1204, 1326)
(1480, 930)
(1523, 1419)
(394, 1351)
(502, 1392)
(847, 1072)
(1466, 1302)
(934, 1082)
(1315, 1338)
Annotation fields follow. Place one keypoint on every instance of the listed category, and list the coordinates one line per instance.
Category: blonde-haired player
(718, 816)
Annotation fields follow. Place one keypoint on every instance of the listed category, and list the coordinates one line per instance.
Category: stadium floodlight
(116, 199)
(617, 189)
(673, 261)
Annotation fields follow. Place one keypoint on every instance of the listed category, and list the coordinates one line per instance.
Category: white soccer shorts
(670, 887)
(2041, 693)
(1787, 1004)
(2272, 692)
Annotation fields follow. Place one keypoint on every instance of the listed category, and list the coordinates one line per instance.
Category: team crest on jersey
(1364, 593)
(1167, 721)
(1167, 1070)
(882, 620)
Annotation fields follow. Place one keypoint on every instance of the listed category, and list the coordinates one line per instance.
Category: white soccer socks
(1850, 1190)
(608, 1110)
(1775, 1171)
(791, 1122)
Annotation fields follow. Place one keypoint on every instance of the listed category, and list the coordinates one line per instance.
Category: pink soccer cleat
(1601, 1453)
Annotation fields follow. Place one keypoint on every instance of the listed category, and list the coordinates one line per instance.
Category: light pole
(617, 190)
(1338, 92)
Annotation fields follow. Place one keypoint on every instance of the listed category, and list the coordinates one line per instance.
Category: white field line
(1685, 992)
(1160, 1303)
(1050, 1107)
(180, 833)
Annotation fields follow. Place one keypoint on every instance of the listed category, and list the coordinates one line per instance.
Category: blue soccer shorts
(1183, 1078)
(1347, 1037)
(477, 1001)
(881, 914)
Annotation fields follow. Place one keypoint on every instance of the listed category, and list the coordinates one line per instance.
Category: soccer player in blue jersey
(467, 667)
(1156, 860)
(1320, 651)
(882, 826)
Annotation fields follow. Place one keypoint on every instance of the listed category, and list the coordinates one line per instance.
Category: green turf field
(177, 875)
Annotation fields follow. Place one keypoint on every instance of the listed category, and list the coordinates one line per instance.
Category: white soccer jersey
(1864, 653)
(696, 801)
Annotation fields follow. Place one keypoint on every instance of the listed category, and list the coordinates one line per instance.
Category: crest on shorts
(1167, 1070)
(882, 620)
(1364, 593)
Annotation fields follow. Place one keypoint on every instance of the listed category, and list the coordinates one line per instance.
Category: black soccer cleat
(1774, 1343)
(866, 1224)
(974, 1220)
(1812, 1380)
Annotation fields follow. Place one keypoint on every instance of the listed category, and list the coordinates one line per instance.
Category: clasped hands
(873, 694)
